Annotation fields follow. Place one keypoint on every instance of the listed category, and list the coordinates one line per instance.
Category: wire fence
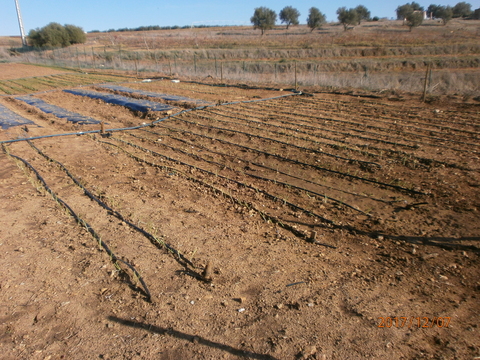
(283, 72)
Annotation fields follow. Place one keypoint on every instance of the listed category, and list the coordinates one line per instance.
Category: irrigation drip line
(375, 105)
(391, 151)
(83, 223)
(310, 165)
(157, 242)
(441, 127)
(284, 184)
(379, 140)
(266, 167)
(404, 132)
(143, 125)
(344, 133)
(348, 107)
(280, 133)
(296, 130)
(338, 132)
(248, 205)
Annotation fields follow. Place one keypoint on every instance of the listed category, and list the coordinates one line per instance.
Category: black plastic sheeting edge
(57, 110)
(143, 125)
(132, 104)
(9, 119)
(166, 97)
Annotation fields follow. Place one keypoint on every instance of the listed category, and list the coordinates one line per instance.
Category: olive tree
(263, 18)
(289, 15)
(414, 19)
(315, 18)
(363, 13)
(462, 9)
(347, 17)
(445, 13)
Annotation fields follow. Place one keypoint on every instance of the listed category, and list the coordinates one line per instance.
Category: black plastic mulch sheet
(132, 104)
(9, 119)
(166, 97)
(57, 111)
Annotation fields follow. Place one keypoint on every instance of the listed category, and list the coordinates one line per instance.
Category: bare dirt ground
(336, 226)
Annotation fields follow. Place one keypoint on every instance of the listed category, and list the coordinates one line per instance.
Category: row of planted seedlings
(341, 134)
(126, 269)
(395, 111)
(272, 207)
(415, 126)
(284, 172)
(401, 134)
(351, 167)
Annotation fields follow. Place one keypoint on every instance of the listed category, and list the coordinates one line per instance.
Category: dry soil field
(265, 225)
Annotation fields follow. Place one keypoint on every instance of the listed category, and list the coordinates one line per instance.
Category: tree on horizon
(264, 19)
(289, 15)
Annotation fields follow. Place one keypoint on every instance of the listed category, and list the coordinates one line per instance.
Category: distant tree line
(56, 35)
(411, 13)
(154, 27)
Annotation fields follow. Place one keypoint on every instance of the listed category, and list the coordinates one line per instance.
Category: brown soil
(323, 219)
(11, 71)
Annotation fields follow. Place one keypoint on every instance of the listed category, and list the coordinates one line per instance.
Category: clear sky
(115, 14)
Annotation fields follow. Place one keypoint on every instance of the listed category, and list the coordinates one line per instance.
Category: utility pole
(20, 23)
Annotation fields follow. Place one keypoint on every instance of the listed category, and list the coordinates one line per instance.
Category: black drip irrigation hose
(301, 163)
(298, 131)
(143, 125)
(264, 215)
(83, 223)
(405, 132)
(157, 242)
(284, 143)
(266, 167)
(437, 124)
(344, 133)
(284, 184)
(398, 153)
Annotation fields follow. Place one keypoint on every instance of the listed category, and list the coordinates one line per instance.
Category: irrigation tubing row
(267, 168)
(348, 109)
(157, 242)
(285, 134)
(286, 185)
(82, 222)
(296, 130)
(375, 105)
(404, 132)
(341, 132)
(305, 164)
(391, 151)
(364, 152)
(264, 215)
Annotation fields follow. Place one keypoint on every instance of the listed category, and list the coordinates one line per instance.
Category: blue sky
(115, 14)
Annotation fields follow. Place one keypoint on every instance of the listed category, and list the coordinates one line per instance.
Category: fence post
(195, 63)
(93, 57)
(136, 64)
(78, 59)
(424, 98)
(216, 69)
(296, 75)
(120, 55)
(221, 72)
